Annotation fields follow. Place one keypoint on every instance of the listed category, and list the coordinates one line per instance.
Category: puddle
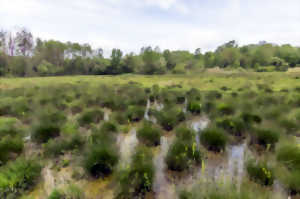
(107, 112)
(185, 106)
(158, 106)
(199, 125)
(127, 144)
(279, 191)
(162, 187)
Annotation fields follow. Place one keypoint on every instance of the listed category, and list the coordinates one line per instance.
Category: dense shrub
(135, 113)
(109, 127)
(44, 130)
(213, 139)
(193, 94)
(8, 145)
(169, 117)
(194, 107)
(209, 107)
(57, 147)
(260, 172)
(18, 176)
(225, 109)
(149, 134)
(292, 181)
(100, 160)
(266, 137)
(120, 117)
(289, 155)
(212, 95)
(182, 154)
(250, 118)
(8, 126)
(233, 126)
(90, 116)
(290, 126)
(137, 179)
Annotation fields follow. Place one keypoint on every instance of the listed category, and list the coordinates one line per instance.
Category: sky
(169, 24)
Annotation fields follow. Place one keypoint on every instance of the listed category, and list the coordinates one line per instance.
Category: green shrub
(233, 126)
(266, 137)
(193, 94)
(225, 109)
(213, 139)
(289, 155)
(182, 154)
(290, 126)
(43, 131)
(137, 179)
(250, 118)
(184, 133)
(149, 134)
(8, 127)
(135, 113)
(100, 160)
(194, 107)
(8, 145)
(109, 127)
(260, 173)
(292, 181)
(212, 95)
(18, 176)
(55, 194)
(58, 147)
(168, 117)
(90, 116)
(120, 117)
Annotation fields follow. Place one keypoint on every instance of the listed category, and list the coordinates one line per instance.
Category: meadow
(214, 134)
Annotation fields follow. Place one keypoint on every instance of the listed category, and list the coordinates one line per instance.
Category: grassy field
(215, 134)
(209, 80)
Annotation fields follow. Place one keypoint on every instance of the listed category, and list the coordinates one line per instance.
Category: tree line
(23, 55)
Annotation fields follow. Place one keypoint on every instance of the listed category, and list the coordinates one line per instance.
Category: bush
(48, 125)
(169, 117)
(100, 160)
(290, 126)
(90, 116)
(55, 194)
(193, 94)
(213, 139)
(58, 147)
(137, 179)
(120, 117)
(226, 109)
(109, 127)
(194, 107)
(212, 95)
(292, 181)
(233, 126)
(266, 137)
(182, 154)
(289, 155)
(149, 134)
(18, 176)
(135, 113)
(260, 173)
(184, 133)
(250, 118)
(10, 145)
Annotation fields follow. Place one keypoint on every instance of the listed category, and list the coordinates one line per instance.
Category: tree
(24, 41)
(154, 62)
(11, 44)
(115, 65)
(170, 59)
(2, 40)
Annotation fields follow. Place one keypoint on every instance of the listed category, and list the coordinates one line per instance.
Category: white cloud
(174, 24)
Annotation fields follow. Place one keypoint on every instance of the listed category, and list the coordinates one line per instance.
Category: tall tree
(24, 41)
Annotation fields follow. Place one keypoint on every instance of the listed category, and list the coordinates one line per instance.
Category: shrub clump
(260, 172)
(135, 113)
(266, 137)
(194, 107)
(100, 160)
(213, 139)
(184, 152)
(289, 155)
(137, 180)
(18, 176)
(109, 127)
(233, 126)
(149, 134)
(10, 145)
(90, 116)
(225, 109)
(48, 126)
(169, 117)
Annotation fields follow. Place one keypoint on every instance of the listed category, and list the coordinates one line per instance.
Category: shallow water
(146, 115)
(158, 106)
(127, 144)
(106, 114)
(198, 125)
(162, 187)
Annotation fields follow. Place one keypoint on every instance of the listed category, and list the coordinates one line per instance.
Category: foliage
(260, 172)
(149, 134)
(213, 139)
(90, 116)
